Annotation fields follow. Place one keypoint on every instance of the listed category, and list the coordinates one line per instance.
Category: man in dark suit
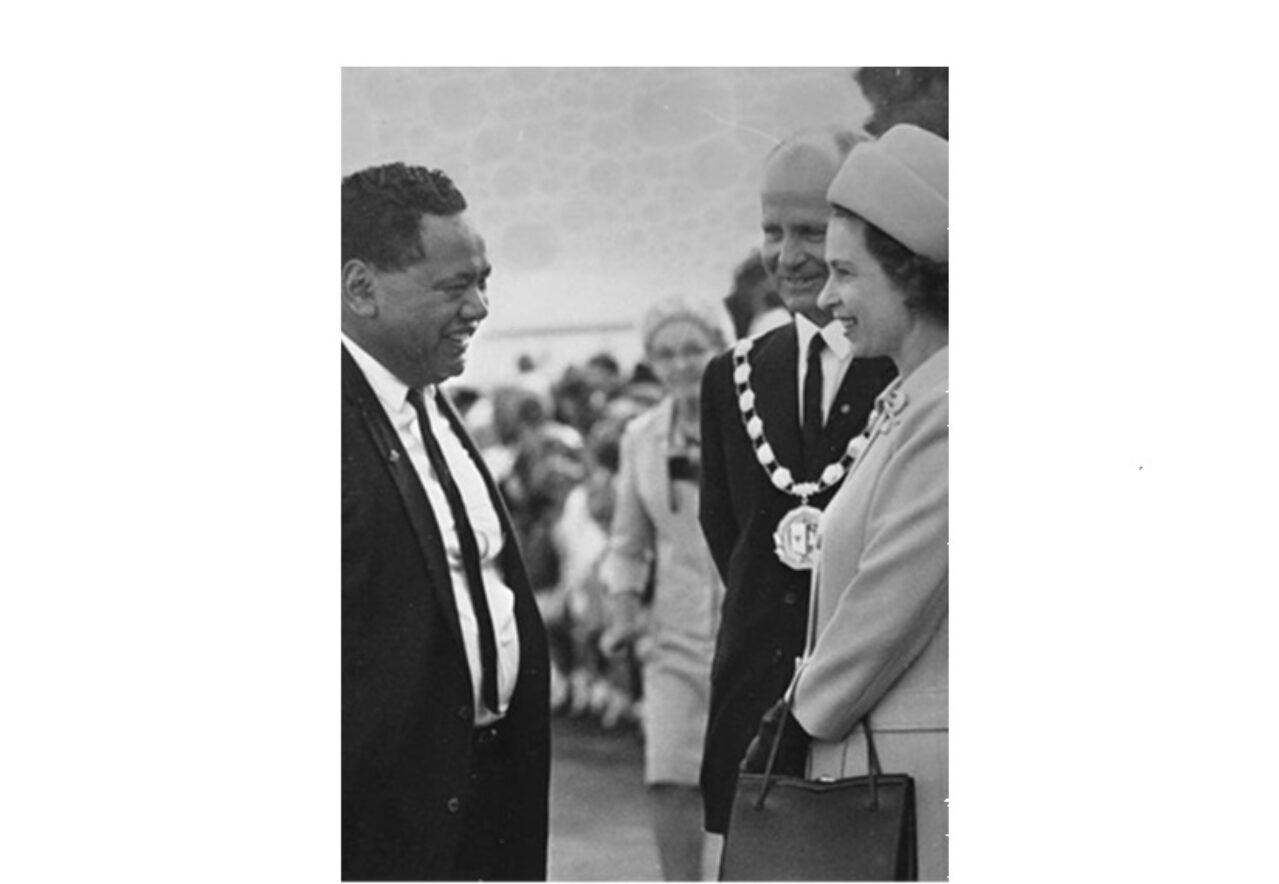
(445, 722)
(778, 413)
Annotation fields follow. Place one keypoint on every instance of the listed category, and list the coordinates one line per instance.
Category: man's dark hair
(750, 272)
(740, 302)
(382, 209)
(924, 282)
(606, 363)
(906, 95)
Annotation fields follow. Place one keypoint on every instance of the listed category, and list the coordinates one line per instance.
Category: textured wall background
(599, 190)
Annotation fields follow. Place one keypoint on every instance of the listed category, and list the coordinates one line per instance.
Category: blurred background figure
(545, 461)
(584, 392)
(754, 304)
(906, 95)
(661, 579)
(603, 688)
(532, 378)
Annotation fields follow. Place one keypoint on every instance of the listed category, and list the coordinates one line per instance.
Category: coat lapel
(651, 466)
(849, 412)
(775, 380)
(416, 504)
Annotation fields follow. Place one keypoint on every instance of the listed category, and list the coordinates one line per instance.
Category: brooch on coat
(889, 406)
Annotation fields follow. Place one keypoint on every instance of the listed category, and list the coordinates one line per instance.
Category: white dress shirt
(836, 357)
(393, 394)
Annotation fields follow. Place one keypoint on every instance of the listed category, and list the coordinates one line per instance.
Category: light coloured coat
(655, 527)
(879, 626)
(765, 613)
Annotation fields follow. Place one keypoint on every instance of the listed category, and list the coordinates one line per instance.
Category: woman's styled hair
(710, 317)
(924, 282)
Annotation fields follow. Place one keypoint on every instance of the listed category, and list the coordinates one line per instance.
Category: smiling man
(778, 412)
(445, 725)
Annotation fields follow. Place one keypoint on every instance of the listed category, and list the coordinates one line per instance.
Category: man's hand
(792, 753)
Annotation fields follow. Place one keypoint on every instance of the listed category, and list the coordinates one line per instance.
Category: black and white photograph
(644, 473)
(619, 544)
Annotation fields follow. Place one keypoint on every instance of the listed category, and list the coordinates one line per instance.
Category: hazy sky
(599, 190)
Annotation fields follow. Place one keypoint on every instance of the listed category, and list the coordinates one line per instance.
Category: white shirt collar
(832, 333)
(391, 390)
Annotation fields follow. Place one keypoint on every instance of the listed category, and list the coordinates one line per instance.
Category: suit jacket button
(790, 598)
(454, 804)
(464, 713)
(779, 655)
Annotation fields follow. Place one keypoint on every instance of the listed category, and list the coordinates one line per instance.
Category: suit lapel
(417, 506)
(775, 380)
(853, 403)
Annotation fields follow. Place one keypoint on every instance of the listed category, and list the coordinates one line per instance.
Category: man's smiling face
(794, 214)
(428, 311)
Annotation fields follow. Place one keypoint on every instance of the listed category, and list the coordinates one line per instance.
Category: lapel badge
(897, 402)
(395, 456)
(892, 405)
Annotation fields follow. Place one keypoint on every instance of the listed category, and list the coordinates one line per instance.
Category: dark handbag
(791, 829)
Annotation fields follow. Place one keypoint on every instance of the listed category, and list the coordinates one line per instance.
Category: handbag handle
(872, 757)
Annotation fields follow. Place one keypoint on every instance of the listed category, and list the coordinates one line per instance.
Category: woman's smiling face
(860, 295)
(679, 351)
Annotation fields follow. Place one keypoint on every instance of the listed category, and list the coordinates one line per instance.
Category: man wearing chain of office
(781, 418)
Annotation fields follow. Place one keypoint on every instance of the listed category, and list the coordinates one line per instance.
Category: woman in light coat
(655, 536)
(878, 642)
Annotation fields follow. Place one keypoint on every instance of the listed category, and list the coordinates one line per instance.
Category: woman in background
(656, 547)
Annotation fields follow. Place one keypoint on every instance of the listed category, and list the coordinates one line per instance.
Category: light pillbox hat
(900, 183)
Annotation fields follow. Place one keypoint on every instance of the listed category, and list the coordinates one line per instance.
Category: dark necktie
(470, 554)
(813, 400)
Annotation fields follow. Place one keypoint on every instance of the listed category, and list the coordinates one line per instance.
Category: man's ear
(358, 290)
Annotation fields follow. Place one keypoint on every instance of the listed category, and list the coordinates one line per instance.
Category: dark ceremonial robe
(765, 613)
(407, 708)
